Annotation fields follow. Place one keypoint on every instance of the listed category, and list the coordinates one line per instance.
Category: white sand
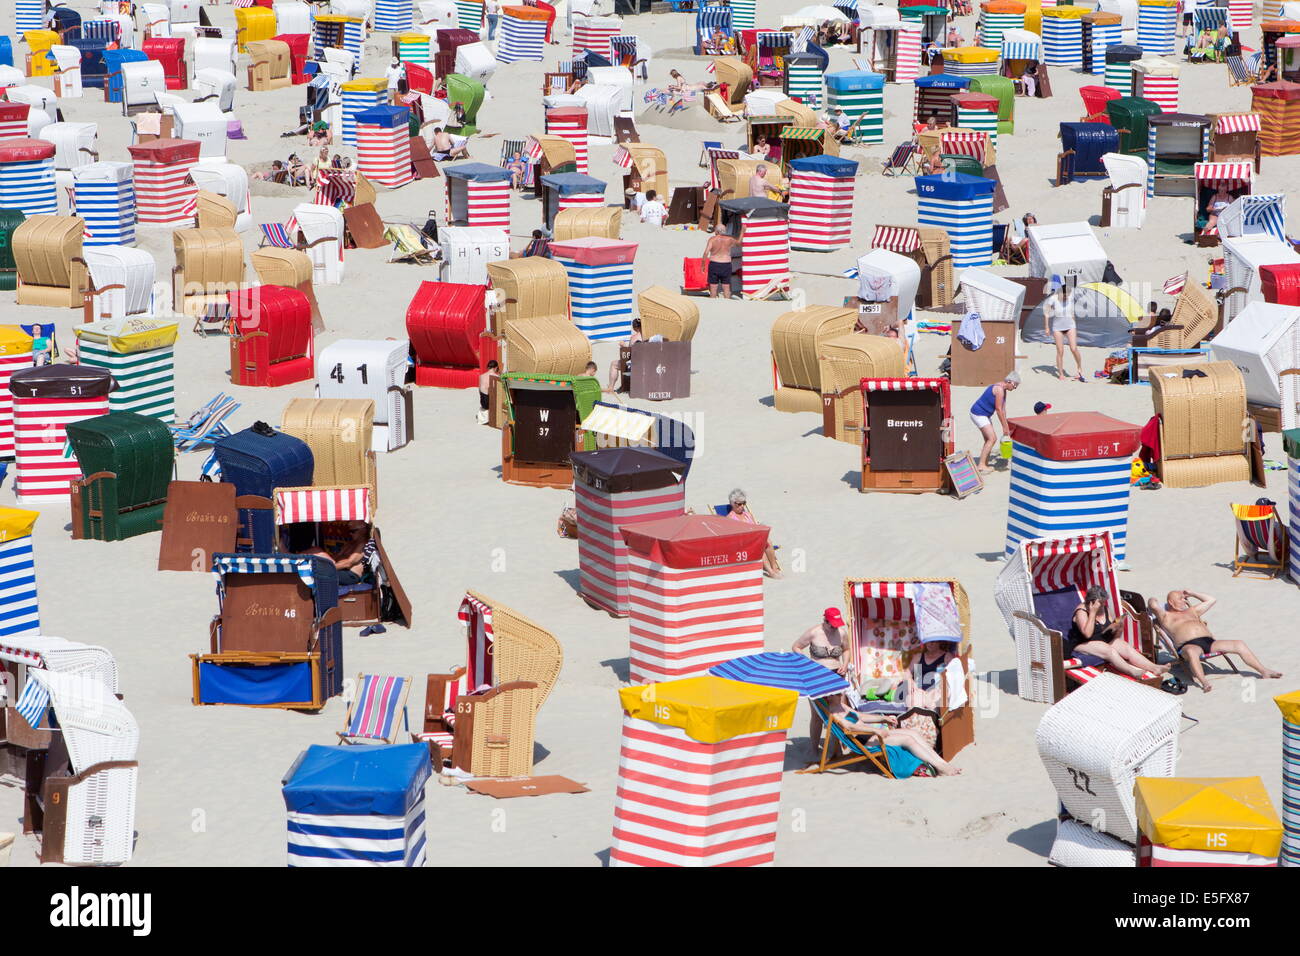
(210, 777)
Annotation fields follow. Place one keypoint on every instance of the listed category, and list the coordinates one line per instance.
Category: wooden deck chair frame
(1011, 251)
(1246, 556)
(909, 162)
(833, 734)
(391, 738)
(1238, 73)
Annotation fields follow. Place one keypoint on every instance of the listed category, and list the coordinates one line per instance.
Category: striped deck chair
(206, 426)
(1217, 657)
(408, 245)
(1240, 73)
(372, 714)
(508, 149)
(904, 160)
(276, 234)
(860, 746)
(1261, 540)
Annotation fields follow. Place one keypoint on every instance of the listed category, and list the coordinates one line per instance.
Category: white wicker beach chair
(1099, 739)
(93, 805)
(56, 654)
(1080, 845)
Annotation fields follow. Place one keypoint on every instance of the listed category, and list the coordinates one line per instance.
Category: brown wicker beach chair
(668, 313)
(797, 339)
(1205, 434)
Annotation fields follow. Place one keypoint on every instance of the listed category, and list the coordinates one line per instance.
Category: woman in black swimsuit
(1092, 638)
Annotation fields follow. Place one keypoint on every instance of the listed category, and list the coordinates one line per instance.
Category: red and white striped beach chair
(372, 713)
(1039, 587)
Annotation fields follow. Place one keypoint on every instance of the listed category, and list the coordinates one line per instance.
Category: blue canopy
(784, 669)
(479, 172)
(943, 81)
(385, 117)
(953, 186)
(844, 81)
(832, 166)
(569, 183)
(374, 781)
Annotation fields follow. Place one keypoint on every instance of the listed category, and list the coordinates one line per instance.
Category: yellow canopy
(1289, 704)
(712, 709)
(970, 54)
(1065, 13)
(14, 341)
(364, 84)
(1127, 305)
(16, 523)
(127, 336)
(1232, 814)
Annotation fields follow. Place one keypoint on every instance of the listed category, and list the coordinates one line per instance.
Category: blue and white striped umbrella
(785, 670)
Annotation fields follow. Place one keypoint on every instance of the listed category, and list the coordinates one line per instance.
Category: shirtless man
(1192, 637)
(717, 260)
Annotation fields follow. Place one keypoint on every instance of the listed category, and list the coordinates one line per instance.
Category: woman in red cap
(827, 644)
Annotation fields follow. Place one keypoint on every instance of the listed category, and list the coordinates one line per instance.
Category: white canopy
(1067, 249)
(229, 180)
(292, 17)
(996, 299)
(619, 76)
(821, 14)
(74, 143)
(218, 83)
(438, 11)
(603, 104)
(317, 222)
(476, 61)
(204, 122)
(10, 76)
(214, 53)
(1243, 255)
(1263, 341)
(131, 269)
(903, 274)
(38, 96)
(142, 81)
(877, 16)
(1128, 209)
(762, 102)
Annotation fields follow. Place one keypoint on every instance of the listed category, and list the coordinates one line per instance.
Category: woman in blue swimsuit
(992, 401)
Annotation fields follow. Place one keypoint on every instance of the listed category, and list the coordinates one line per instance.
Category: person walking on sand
(1058, 322)
(1181, 620)
(992, 401)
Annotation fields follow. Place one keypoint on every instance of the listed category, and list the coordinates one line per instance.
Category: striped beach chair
(372, 713)
(1261, 540)
(904, 160)
(276, 234)
(206, 426)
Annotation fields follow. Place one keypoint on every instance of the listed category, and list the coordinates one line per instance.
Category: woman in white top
(1058, 320)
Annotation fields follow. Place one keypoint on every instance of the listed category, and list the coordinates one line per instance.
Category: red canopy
(1071, 436)
(697, 541)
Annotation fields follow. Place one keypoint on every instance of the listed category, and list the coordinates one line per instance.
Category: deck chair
(1217, 657)
(206, 426)
(704, 151)
(372, 713)
(1194, 318)
(858, 746)
(1261, 540)
(1010, 250)
(408, 246)
(903, 161)
(275, 234)
(1239, 73)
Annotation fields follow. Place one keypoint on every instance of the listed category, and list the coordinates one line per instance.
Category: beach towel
(971, 333)
(936, 613)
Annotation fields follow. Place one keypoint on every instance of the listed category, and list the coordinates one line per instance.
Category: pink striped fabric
(602, 552)
(1081, 562)
(322, 504)
(821, 211)
(900, 239)
(376, 707)
(8, 365)
(764, 253)
(680, 802)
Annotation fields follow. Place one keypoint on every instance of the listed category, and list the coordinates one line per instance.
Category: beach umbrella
(822, 13)
(785, 670)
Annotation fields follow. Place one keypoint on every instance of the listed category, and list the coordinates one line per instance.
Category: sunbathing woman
(1093, 634)
(908, 740)
(740, 511)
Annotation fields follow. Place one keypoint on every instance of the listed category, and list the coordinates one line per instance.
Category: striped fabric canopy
(1237, 123)
(223, 564)
(622, 158)
(884, 600)
(785, 670)
(322, 504)
(802, 133)
(775, 39)
(335, 186)
(1265, 213)
(1208, 173)
(900, 239)
(964, 144)
(1209, 18)
(481, 639)
(716, 154)
(1019, 50)
(903, 384)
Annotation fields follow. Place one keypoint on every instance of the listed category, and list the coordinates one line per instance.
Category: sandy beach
(209, 786)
